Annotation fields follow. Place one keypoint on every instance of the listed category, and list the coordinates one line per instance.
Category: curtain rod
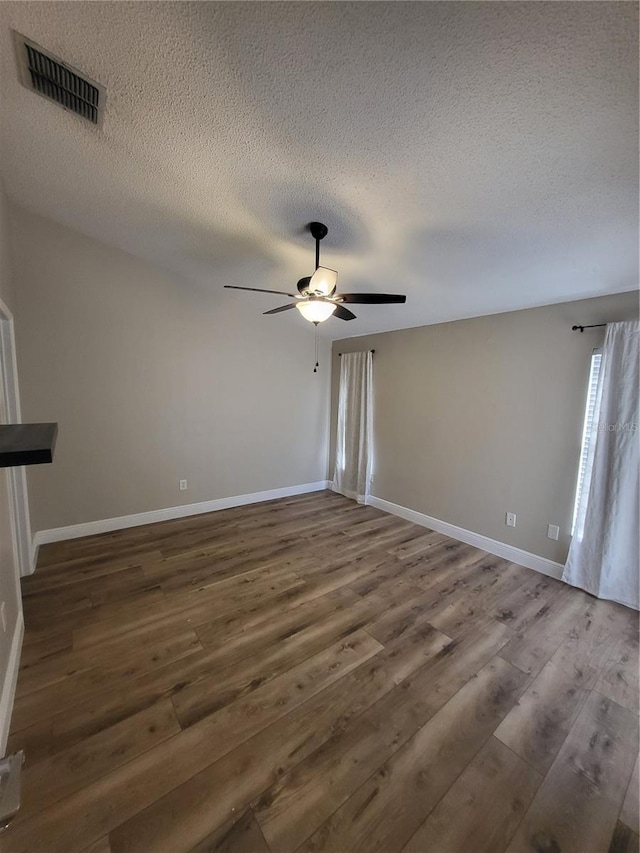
(582, 328)
(371, 351)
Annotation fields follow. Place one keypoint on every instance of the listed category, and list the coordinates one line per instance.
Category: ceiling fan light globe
(323, 281)
(315, 310)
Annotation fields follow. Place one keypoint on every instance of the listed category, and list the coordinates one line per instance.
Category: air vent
(59, 82)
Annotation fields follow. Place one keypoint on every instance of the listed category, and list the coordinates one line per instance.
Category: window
(587, 429)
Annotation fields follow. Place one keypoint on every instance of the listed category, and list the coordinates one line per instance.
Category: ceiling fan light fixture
(315, 310)
(323, 281)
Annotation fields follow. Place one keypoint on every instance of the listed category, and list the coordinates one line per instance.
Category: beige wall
(483, 416)
(153, 379)
(9, 575)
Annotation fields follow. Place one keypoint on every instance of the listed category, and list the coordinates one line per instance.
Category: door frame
(20, 517)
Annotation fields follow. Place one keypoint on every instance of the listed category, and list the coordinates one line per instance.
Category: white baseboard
(106, 525)
(9, 685)
(493, 546)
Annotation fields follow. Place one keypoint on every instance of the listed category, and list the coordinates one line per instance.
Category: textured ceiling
(479, 157)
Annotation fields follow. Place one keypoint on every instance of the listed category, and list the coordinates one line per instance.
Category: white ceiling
(479, 157)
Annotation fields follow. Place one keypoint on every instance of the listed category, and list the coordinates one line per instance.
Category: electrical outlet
(183, 485)
(510, 519)
(553, 531)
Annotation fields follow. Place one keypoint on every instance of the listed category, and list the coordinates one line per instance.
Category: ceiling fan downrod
(318, 231)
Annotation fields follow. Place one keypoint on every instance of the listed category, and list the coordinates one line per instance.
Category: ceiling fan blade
(281, 308)
(370, 298)
(343, 313)
(261, 290)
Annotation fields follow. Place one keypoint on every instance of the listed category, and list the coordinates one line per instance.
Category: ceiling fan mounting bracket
(318, 230)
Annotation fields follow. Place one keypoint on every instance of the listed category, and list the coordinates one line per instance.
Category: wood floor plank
(85, 567)
(520, 606)
(98, 808)
(631, 806)
(624, 840)
(51, 780)
(577, 805)
(194, 809)
(483, 808)
(506, 594)
(364, 528)
(418, 545)
(159, 645)
(115, 613)
(458, 662)
(268, 610)
(537, 641)
(601, 629)
(383, 570)
(115, 586)
(383, 814)
(341, 669)
(294, 804)
(448, 554)
(38, 606)
(244, 635)
(537, 726)
(382, 534)
(302, 799)
(38, 740)
(473, 569)
(391, 623)
(34, 653)
(471, 602)
(236, 836)
(195, 606)
(100, 846)
(619, 676)
(181, 572)
(103, 710)
(36, 705)
(390, 667)
(211, 693)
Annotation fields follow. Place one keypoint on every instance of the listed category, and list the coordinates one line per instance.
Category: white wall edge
(106, 525)
(35, 547)
(10, 681)
(493, 546)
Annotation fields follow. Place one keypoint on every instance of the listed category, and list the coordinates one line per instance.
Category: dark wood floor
(314, 675)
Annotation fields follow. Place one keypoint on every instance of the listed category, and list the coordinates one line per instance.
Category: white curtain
(604, 555)
(352, 475)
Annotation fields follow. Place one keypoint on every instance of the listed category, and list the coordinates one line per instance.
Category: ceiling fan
(317, 299)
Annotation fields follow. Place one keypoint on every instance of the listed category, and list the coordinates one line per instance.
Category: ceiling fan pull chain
(315, 369)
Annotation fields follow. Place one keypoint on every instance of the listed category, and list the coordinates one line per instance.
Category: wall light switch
(510, 519)
(3, 617)
(183, 485)
(553, 531)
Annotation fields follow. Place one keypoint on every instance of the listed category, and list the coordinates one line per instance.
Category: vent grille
(43, 73)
